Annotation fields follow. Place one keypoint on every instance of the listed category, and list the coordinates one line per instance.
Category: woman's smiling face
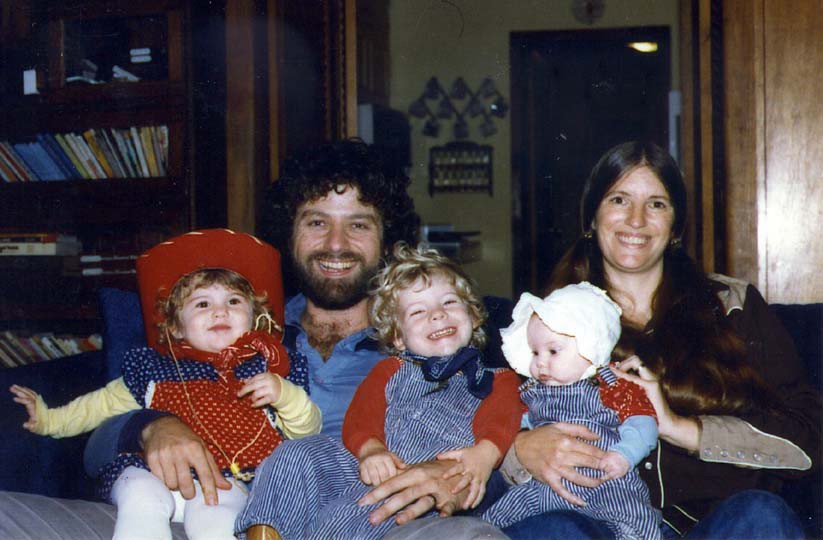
(633, 223)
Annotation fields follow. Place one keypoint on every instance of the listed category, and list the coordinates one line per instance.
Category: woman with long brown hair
(735, 417)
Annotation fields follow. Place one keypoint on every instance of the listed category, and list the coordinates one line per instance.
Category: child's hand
(379, 467)
(475, 464)
(614, 464)
(28, 398)
(377, 464)
(264, 389)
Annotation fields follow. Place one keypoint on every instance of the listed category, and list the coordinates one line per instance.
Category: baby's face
(214, 317)
(555, 360)
(432, 320)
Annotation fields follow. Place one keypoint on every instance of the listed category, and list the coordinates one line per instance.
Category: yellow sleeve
(297, 415)
(84, 413)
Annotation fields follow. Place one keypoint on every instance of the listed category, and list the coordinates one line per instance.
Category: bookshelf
(83, 57)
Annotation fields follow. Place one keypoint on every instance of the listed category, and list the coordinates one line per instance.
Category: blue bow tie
(469, 360)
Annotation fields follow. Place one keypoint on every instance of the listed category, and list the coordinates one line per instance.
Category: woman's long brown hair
(689, 344)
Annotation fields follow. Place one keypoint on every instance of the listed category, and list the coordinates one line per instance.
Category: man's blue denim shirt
(330, 383)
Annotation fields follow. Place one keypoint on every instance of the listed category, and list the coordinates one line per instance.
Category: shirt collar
(294, 311)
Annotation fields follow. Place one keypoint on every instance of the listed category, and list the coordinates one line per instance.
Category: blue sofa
(54, 467)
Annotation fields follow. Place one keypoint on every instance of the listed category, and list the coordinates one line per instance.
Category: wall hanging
(460, 104)
(460, 166)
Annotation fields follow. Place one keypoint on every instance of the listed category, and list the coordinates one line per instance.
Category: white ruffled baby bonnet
(582, 311)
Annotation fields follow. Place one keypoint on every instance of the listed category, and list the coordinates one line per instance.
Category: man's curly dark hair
(315, 171)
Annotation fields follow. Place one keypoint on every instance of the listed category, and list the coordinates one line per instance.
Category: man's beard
(335, 294)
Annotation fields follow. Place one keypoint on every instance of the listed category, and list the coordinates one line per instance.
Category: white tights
(145, 506)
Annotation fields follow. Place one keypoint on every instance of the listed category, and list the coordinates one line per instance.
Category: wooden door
(574, 95)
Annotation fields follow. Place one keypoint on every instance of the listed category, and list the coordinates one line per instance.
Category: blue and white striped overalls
(623, 502)
(310, 486)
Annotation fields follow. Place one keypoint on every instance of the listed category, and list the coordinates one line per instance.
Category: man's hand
(551, 453)
(172, 449)
(415, 491)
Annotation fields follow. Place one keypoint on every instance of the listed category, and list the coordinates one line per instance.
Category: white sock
(144, 506)
(204, 522)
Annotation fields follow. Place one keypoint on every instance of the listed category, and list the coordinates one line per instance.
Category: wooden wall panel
(773, 132)
(743, 65)
(794, 151)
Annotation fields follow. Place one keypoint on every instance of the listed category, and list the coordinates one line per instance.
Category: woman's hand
(677, 430)
(415, 491)
(550, 453)
(172, 449)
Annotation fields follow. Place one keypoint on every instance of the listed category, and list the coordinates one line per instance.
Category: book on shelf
(37, 237)
(69, 152)
(86, 156)
(64, 165)
(88, 135)
(155, 146)
(6, 172)
(21, 349)
(38, 160)
(10, 158)
(148, 151)
(99, 153)
(7, 357)
(26, 155)
(116, 158)
(108, 153)
(25, 245)
(163, 142)
(125, 154)
(138, 148)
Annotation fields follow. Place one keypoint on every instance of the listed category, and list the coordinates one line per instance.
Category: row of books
(19, 350)
(134, 152)
(24, 244)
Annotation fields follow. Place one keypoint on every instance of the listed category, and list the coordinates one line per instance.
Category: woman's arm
(551, 454)
(799, 417)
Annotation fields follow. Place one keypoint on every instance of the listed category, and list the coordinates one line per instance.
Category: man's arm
(171, 451)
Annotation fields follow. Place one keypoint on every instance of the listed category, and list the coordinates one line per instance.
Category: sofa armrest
(37, 464)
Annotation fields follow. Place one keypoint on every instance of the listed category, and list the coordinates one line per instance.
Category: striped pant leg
(522, 501)
(624, 504)
(343, 518)
(295, 483)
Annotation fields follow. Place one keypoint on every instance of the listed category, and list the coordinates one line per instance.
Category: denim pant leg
(751, 514)
(295, 483)
(102, 447)
(565, 524)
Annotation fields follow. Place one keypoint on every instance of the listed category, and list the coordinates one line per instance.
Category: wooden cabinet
(237, 84)
(126, 212)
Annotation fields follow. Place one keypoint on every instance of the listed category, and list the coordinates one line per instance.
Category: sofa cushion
(34, 517)
(122, 327)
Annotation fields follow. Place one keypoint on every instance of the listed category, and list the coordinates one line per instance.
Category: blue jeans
(751, 514)
(103, 446)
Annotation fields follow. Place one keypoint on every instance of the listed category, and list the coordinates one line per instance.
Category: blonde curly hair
(407, 265)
